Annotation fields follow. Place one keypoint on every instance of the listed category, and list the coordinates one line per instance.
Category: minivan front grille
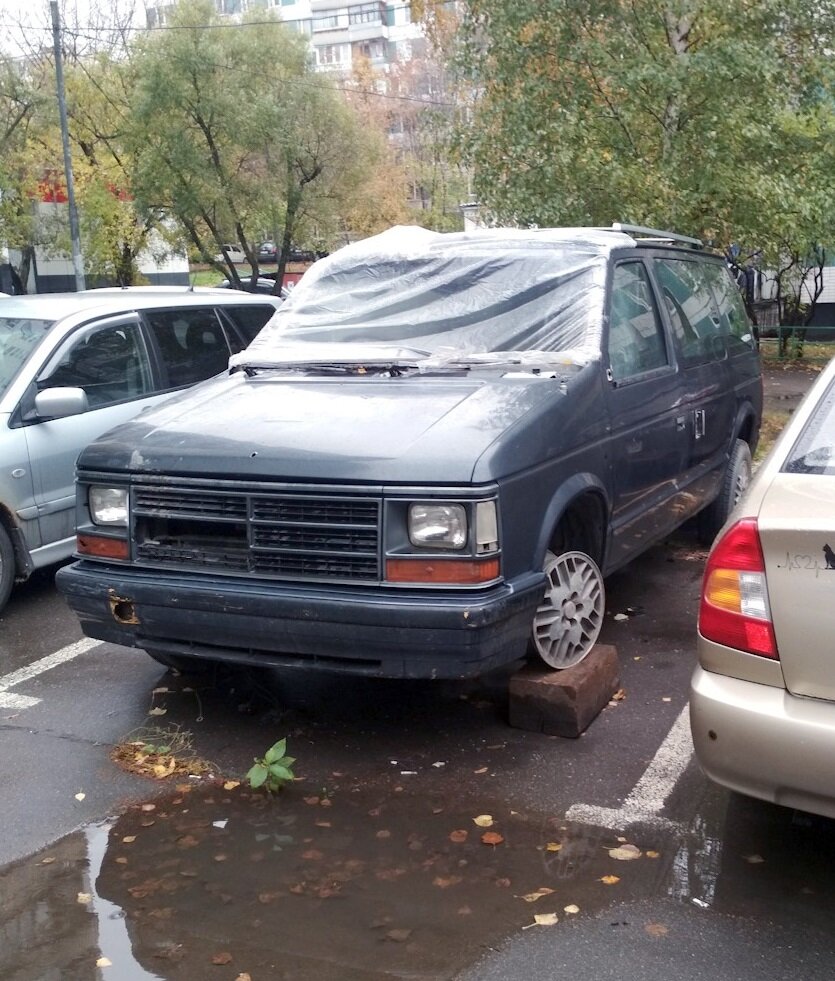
(281, 535)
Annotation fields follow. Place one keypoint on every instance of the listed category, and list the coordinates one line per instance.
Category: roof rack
(654, 233)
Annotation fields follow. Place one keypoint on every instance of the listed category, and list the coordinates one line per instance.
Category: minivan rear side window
(249, 319)
(192, 344)
(691, 309)
(735, 323)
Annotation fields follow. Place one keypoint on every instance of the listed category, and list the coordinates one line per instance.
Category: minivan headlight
(109, 506)
(442, 526)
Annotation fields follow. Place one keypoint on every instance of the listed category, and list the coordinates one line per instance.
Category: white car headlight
(109, 506)
(438, 525)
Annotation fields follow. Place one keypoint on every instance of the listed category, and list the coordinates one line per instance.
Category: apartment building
(338, 33)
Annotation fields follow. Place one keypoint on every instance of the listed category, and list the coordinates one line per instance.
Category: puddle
(365, 884)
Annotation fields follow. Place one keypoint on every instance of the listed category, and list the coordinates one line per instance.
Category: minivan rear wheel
(7, 567)
(567, 622)
(734, 484)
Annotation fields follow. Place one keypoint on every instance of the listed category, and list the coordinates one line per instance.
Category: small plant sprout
(273, 770)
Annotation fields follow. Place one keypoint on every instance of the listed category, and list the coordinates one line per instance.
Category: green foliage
(709, 117)
(273, 770)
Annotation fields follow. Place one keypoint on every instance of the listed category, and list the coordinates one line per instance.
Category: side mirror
(58, 403)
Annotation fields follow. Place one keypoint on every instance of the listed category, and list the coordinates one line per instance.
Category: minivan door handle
(699, 423)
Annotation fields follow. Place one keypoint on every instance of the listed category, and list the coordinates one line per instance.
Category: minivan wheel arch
(577, 518)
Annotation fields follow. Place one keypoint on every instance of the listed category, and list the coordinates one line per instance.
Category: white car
(234, 253)
(73, 365)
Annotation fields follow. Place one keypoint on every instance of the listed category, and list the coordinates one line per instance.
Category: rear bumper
(392, 634)
(763, 741)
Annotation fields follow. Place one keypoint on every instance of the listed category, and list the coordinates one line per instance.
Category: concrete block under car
(564, 703)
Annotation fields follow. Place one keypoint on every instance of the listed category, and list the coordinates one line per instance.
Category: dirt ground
(784, 385)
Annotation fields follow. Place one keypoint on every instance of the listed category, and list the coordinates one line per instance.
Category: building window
(329, 54)
(326, 22)
(366, 13)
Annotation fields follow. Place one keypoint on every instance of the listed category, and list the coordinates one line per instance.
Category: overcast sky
(36, 18)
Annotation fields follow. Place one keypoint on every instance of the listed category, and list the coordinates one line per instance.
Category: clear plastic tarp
(437, 297)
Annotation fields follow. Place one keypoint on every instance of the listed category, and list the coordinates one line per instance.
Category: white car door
(109, 361)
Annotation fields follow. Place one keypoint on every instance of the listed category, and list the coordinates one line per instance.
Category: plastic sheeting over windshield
(443, 297)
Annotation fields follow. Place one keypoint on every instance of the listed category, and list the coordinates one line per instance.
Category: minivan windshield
(447, 297)
(19, 336)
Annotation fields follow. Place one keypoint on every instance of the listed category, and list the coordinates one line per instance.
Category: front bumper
(396, 634)
(763, 741)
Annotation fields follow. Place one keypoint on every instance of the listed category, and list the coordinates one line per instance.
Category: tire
(567, 622)
(8, 569)
(181, 663)
(734, 484)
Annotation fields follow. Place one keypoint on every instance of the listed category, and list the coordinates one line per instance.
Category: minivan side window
(192, 344)
(109, 363)
(636, 338)
(249, 319)
(735, 323)
(693, 315)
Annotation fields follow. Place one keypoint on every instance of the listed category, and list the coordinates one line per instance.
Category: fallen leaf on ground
(244, 977)
(482, 769)
(542, 919)
(651, 854)
(619, 695)
(754, 859)
(129, 839)
(484, 820)
(572, 909)
(444, 882)
(157, 711)
(84, 898)
(532, 897)
(610, 880)
(47, 861)
(104, 962)
(223, 957)
(149, 807)
(656, 929)
(553, 846)
(80, 796)
(458, 836)
(492, 838)
(160, 691)
(231, 784)
(399, 935)
(625, 853)
(383, 834)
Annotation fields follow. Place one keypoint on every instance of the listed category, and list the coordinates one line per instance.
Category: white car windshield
(19, 336)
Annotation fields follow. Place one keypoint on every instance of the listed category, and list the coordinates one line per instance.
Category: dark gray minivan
(430, 458)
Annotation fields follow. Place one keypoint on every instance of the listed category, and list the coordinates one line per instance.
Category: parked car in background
(233, 253)
(72, 366)
(762, 701)
(442, 444)
(263, 284)
(267, 252)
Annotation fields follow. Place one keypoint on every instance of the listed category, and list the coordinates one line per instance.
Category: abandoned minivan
(430, 458)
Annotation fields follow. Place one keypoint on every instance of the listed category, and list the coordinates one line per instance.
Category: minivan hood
(366, 429)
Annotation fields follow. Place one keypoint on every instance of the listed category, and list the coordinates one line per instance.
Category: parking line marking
(67, 653)
(650, 793)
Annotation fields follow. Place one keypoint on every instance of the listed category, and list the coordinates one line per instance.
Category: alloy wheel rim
(568, 620)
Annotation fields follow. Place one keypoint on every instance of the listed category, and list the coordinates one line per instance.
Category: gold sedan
(762, 699)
